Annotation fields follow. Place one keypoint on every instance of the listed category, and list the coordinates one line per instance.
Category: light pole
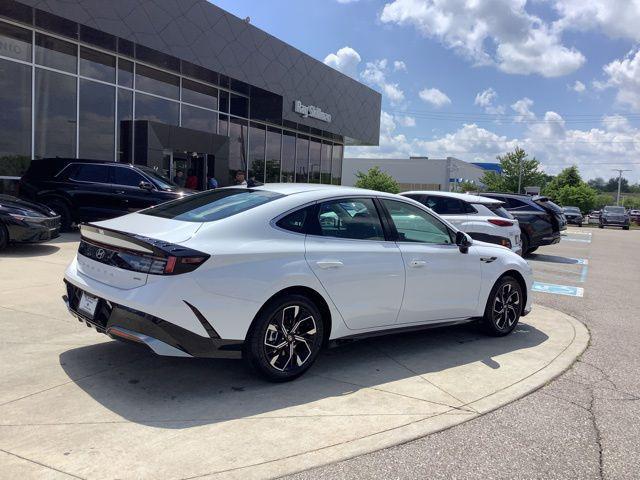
(619, 170)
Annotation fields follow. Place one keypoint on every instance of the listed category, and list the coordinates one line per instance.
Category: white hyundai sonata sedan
(274, 273)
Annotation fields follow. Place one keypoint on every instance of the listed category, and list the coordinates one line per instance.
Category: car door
(441, 282)
(361, 271)
(92, 192)
(130, 196)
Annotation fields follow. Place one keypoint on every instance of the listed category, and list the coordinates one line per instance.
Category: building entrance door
(188, 169)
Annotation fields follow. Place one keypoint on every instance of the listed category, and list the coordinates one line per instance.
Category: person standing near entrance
(179, 179)
(212, 183)
(192, 180)
(240, 179)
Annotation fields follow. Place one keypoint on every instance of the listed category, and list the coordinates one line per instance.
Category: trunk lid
(122, 252)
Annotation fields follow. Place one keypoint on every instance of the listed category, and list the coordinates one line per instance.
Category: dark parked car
(614, 216)
(26, 222)
(541, 220)
(85, 190)
(573, 215)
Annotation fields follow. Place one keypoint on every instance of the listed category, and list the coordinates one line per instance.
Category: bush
(581, 196)
(376, 179)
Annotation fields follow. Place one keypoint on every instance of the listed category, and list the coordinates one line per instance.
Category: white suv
(482, 218)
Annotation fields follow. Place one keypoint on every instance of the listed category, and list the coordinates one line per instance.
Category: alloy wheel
(506, 306)
(290, 338)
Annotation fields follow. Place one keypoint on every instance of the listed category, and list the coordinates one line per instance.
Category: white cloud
(485, 100)
(523, 108)
(624, 75)
(375, 73)
(405, 120)
(345, 60)
(615, 18)
(578, 87)
(489, 32)
(399, 66)
(435, 97)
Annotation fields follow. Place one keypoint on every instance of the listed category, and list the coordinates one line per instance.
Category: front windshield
(572, 209)
(162, 182)
(614, 209)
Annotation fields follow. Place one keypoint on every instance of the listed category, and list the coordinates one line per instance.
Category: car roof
(460, 196)
(320, 190)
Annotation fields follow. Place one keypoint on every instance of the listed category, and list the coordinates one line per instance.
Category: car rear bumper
(164, 338)
(550, 239)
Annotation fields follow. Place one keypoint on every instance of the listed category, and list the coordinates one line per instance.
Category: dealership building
(172, 85)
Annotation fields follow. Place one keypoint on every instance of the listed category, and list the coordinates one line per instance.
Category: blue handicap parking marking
(558, 289)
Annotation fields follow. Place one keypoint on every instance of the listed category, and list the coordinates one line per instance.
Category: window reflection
(15, 42)
(55, 114)
(15, 118)
(288, 157)
(97, 65)
(336, 165)
(302, 159)
(97, 115)
(199, 94)
(257, 137)
(325, 163)
(125, 73)
(314, 161)
(157, 109)
(237, 146)
(199, 119)
(125, 125)
(55, 53)
(157, 82)
(239, 106)
(272, 166)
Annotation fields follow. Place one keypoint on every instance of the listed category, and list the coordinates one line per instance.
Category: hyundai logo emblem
(100, 253)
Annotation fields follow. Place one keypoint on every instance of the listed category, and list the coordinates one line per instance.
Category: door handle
(417, 263)
(326, 264)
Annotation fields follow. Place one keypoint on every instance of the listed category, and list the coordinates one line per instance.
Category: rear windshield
(212, 205)
(613, 209)
(545, 202)
(571, 209)
(498, 210)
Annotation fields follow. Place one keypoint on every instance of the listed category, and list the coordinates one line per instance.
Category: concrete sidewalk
(74, 403)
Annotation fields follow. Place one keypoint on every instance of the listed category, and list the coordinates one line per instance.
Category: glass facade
(60, 96)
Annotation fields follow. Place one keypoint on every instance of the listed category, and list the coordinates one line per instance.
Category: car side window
(90, 173)
(445, 205)
(354, 218)
(127, 176)
(296, 221)
(416, 225)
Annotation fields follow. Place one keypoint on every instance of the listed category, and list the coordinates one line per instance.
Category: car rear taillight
(500, 222)
(183, 264)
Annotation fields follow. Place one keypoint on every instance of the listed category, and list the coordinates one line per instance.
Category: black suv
(614, 216)
(541, 220)
(87, 190)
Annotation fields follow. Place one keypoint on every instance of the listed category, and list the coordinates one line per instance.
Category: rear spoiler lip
(151, 246)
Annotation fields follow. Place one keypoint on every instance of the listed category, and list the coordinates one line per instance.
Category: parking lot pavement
(74, 403)
(584, 424)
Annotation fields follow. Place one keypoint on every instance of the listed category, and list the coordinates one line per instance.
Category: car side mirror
(463, 241)
(145, 185)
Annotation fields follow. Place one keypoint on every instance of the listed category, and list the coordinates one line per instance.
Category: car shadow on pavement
(553, 259)
(178, 393)
(25, 250)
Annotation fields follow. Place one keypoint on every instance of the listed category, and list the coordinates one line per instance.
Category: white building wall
(414, 172)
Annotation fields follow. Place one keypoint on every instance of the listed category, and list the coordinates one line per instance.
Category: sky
(474, 78)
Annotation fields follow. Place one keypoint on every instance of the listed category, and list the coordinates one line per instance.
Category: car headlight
(24, 215)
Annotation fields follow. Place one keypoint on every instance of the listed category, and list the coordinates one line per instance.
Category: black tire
(4, 237)
(525, 244)
(625, 228)
(531, 250)
(504, 307)
(600, 226)
(61, 208)
(274, 349)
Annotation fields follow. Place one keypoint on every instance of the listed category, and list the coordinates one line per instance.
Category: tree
(631, 202)
(376, 179)
(612, 185)
(597, 183)
(513, 164)
(581, 196)
(467, 186)
(602, 200)
(569, 177)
